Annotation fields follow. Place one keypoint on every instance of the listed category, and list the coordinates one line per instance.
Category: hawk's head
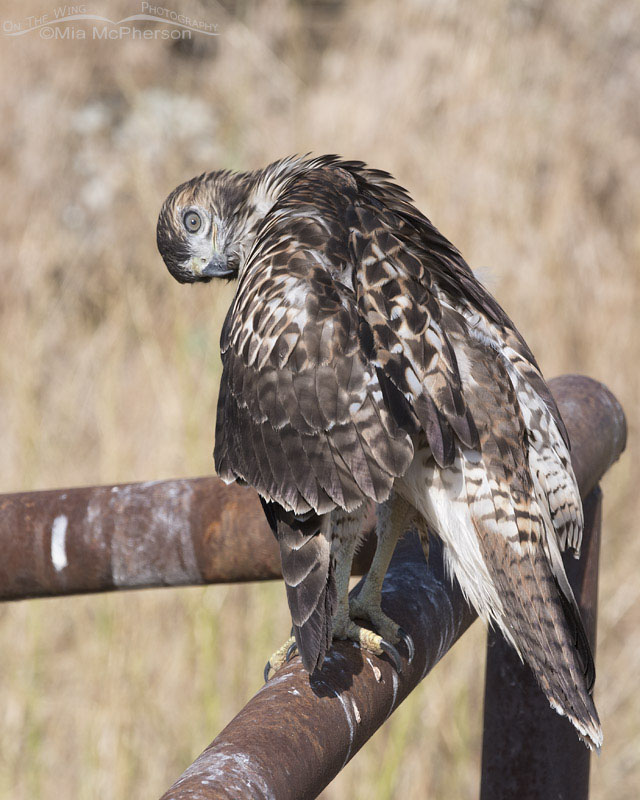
(208, 224)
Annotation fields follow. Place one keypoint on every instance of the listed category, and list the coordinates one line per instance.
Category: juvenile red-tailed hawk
(362, 360)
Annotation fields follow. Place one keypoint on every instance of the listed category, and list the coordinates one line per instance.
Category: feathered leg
(346, 530)
(346, 534)
(342, 530)
(307, 569)
(394, 518)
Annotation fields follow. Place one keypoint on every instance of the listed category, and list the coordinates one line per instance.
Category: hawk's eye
(192, 221)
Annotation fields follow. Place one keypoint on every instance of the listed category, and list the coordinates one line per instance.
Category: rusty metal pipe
(297, 733)
(163, 533)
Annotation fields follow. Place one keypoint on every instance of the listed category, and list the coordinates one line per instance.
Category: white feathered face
(195, 233)
(207, 225)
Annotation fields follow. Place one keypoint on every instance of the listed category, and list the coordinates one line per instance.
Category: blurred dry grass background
(515, 125)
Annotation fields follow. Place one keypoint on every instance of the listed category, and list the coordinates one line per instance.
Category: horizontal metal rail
(297, 733)
(161, 533)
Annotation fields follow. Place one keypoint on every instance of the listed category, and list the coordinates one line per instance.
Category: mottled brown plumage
(362, 360)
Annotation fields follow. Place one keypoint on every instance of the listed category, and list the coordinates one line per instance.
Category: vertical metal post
(529, 751)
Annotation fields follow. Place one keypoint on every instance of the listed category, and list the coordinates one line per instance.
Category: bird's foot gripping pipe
(367, 639)
(281, 656)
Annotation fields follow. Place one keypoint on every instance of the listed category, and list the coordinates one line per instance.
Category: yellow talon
(280, 657)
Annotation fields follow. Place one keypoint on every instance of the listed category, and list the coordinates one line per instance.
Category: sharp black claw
(408, 643)
(393, 654)
(291, 651)
(267, 670)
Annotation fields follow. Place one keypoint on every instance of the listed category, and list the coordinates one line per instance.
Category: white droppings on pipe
(58, 543)
(238, 773)
(356, 710)
(394, 681)
(376, 670)
(283, 674)
(352, 731)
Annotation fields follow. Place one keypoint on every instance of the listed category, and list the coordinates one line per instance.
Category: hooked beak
(218, 267)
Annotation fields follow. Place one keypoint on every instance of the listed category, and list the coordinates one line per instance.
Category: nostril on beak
(218, 267)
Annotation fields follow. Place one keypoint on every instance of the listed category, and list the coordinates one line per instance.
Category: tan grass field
(515, 124)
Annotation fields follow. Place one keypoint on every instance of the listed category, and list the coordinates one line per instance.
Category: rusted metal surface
(297, 733)
(144, 534)
(528, 750)
(164, 533)
(171, 533)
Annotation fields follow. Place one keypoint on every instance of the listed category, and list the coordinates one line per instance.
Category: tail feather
(537, 611)
(549, 636)
(493, 546)
(523, 503)
(503, 508)
(580, 640)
